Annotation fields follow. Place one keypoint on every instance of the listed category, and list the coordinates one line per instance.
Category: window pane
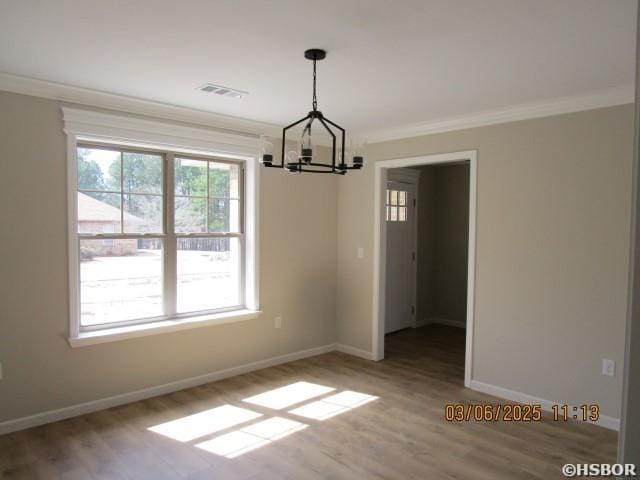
(388, 196)
(120, 281)
(224, 215)
(191, 215)
(142, 173)
(97, 210)
(394, 197)
(190, 177)
(402, 198)
(388, 207)
(224, 180)
(402, 214)
(98, 169)
(142, 213)
(394, 214)
(208, 273)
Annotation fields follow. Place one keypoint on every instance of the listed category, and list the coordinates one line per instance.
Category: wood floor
(400, 435)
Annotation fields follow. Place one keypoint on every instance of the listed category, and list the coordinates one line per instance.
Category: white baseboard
(604, 421)
(101, 404)
(446, 321)
(356, 352)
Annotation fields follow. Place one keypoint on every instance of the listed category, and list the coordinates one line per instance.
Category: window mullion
(170, 274)
(121, 194)
(206, 207)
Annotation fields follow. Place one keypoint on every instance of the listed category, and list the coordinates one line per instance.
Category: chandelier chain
(315, 100)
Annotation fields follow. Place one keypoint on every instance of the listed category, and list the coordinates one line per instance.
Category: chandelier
(303, 158)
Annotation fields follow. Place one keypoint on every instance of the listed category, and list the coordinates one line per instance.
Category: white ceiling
(389, 62)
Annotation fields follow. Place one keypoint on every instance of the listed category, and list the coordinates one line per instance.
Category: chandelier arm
(343, 163)
(308, 170)
(333, 150)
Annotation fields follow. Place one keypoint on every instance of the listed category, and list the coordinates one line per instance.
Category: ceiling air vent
(222, 91)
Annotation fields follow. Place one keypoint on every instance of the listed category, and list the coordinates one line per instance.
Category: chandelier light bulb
(306, 149)
(266, 157)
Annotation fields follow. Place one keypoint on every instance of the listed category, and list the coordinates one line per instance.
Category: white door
(401, 273)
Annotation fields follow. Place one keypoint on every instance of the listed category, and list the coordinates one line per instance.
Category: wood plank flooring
(400, 435)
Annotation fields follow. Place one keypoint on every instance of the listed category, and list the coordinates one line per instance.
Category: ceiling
(389, 62)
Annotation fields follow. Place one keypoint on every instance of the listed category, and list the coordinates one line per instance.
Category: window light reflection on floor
(249, 438)
(289, 395)
(333, 405)
(200, 424)
(238, 439)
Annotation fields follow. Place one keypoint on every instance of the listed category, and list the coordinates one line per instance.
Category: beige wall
(552, 252)
(552, 248)
(443, 242)
(41, 372)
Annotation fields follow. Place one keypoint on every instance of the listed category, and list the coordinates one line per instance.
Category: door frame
(380, 245)
(409, 177)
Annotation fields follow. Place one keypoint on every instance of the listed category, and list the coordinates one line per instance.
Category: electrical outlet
(608, 367)
(277, 322)
(360, 252)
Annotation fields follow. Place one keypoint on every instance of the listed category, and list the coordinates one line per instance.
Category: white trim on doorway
(379, 245)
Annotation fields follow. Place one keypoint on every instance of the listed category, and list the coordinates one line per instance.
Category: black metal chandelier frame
(305, 162)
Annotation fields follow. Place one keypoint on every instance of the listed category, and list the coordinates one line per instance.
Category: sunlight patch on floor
(234, 444)
(204, 423)
(284, 397)
(198, 429)
(333, 405)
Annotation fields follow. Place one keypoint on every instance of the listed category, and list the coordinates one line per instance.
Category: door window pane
(402, 214)
(120, 281)
(208, 273)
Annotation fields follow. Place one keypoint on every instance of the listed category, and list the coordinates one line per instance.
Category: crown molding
(94, 98)
(134, 105)
(575, 103)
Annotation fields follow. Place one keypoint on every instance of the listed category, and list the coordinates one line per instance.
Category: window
(160, 235)
(396, 203)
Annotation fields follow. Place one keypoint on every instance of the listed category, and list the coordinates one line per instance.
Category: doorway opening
(424, 252)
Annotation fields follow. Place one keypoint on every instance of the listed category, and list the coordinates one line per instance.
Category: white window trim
(86, 125)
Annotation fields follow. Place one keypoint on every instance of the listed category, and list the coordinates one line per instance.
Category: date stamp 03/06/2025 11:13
(518, 413)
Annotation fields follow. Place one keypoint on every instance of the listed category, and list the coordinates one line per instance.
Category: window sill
(134, 331)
